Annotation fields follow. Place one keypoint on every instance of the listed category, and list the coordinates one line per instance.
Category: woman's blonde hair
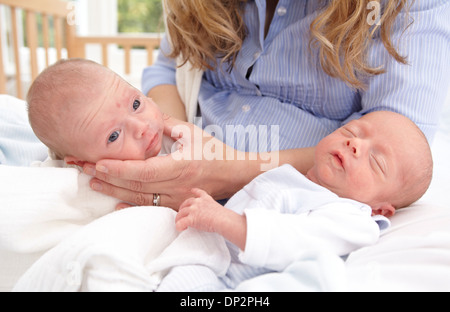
(343, 32)
(203, 31)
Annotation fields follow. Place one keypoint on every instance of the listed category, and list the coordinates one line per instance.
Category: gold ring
(156, 199)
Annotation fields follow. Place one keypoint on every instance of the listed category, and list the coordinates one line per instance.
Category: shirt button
(281, 11)
(256, 55)
(246, 108)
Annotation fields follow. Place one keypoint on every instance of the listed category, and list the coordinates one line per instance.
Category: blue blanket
(18, 144)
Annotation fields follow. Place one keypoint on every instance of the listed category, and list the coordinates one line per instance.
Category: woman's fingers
(121, 206)
(148, 170)
(138, 198)
(129, 173)
(170, 126)
(156, 169)
(128, 196)
(173, 175)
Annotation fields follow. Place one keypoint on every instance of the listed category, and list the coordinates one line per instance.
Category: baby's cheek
(358, 187)
(132, 153)
(326, 175)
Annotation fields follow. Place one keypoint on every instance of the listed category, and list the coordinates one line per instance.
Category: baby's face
(363, 160)
(118, 122)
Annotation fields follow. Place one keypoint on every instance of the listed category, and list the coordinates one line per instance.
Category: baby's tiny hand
(200, 212)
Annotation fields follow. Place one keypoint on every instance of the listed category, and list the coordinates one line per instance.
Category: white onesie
(288, 218)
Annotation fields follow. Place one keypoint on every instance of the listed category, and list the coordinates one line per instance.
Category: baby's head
(381, 159)
(85, 112)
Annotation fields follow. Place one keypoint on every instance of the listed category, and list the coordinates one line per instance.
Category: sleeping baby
(362, 173)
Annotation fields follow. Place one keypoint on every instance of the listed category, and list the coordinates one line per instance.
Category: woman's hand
(202, 161)
(174, 175)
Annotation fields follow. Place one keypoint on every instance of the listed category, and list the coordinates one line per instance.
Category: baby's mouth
(152, 143)
(338, 160)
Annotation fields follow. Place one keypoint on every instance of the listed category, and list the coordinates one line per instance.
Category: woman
(299, 68)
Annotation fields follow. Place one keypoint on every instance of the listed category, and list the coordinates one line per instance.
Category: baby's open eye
(114, 136)
(136, 104)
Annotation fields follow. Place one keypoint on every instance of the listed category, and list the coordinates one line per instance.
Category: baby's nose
(354, 146)
(141, 127)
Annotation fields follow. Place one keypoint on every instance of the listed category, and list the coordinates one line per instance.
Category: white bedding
(91, 247)
(95, 248)
(128, 250)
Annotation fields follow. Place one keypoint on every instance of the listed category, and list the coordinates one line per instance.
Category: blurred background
(92, 18)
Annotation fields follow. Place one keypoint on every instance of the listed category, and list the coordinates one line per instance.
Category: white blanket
(126, 250)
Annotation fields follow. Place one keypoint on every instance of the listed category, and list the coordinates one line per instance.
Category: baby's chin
(154, 151)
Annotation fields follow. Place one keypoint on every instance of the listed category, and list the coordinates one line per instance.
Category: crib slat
(31, 30)
(150, 43)
(50, 6)
(74, 48)
(15, 44)
(127, 54)
(105, 60)
(150, 49)
(57, 24)
(45, 37)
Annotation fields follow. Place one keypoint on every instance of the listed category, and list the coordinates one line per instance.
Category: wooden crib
(57, 20)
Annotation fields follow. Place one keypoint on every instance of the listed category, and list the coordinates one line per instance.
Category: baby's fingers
(182, 220)
(183, 211)
(187, 203)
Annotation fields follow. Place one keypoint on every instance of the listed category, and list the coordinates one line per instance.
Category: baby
(85, 112)
(362, 173)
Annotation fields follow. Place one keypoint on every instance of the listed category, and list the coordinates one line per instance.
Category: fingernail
(96, 186)
(89, 171)
(101, 169)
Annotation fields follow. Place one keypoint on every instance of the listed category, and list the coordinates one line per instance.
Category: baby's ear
(71, 160)
(385, 209)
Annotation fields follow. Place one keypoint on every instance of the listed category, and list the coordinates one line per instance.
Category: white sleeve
(275, 240)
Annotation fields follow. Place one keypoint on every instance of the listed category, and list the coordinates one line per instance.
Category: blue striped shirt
(288, 89)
